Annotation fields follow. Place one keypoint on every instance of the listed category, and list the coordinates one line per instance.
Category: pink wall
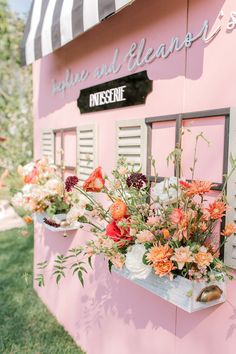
(111, 315)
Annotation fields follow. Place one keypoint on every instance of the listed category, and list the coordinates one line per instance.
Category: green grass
(26, 326)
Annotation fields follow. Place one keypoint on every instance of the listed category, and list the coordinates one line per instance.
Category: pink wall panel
(111, 315)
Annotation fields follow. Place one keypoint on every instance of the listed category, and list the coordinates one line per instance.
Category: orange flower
(229, 230)
(196, 187)
(27, 219)
(32, 177)
(165, 233)
(203, 259)
(217, 210)
(176, 216)
(95, 182)
(118, 209)
(163, 268)
(159, 253)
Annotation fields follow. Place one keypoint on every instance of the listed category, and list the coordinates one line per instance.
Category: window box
(181, 292)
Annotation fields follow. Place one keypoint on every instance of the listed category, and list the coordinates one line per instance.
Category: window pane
(209, 164)
(163, 142)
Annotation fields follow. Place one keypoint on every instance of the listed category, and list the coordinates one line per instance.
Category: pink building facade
(194, 72)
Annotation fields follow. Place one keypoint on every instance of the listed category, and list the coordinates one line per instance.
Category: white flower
(55, 187)
(166, 191)
(74, 213)
(134, 263)
(83, 201)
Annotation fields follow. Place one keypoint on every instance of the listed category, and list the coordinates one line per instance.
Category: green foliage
(15, 93)
(26, 326)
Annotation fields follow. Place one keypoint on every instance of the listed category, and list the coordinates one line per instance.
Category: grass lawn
(26, 326)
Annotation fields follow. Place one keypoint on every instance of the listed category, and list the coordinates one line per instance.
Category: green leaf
(80, 275)
(110, 265)
(90, 262)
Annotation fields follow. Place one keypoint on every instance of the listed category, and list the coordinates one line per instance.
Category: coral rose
(95, 182)
(203, 259)
(176, 216)
(32, 177)
(163, 268)
(118, 209)
(159, 253)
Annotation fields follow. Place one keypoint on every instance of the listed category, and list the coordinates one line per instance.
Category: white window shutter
(131, 142)
(230, 246)
(48, 145)
(86, 150)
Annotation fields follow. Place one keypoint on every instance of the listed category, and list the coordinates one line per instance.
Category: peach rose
(203, 259)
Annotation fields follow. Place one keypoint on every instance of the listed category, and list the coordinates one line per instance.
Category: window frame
(179, 118)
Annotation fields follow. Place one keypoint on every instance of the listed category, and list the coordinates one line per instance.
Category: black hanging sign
(127, 91)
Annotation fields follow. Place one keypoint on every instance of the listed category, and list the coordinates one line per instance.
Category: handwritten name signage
(126, 91)
(140, 55)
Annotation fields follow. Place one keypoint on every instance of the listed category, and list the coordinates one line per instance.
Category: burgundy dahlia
(71, 181)
(136, 180)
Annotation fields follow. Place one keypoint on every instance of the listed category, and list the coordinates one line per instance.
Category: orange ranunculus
(27, 219)
(217, 210)
(203, 259)
(176, 216)
(163, 268)
(159, 253)
(118, 209)
(95, 182)
(196, 187)
(228, 230)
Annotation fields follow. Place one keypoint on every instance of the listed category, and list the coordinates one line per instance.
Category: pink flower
(176, 216)
(152, 220)
(145, 236)
(182, 255)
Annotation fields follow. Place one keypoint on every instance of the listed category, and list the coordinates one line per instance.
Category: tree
(15, 93)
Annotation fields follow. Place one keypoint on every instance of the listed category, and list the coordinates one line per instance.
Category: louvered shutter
(48, 145)
(87, 150)
(131, 142)
(230, 247)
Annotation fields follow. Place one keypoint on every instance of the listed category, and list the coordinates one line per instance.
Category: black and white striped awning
(53, 23)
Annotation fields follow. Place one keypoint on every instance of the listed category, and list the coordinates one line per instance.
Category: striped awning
(54, 23)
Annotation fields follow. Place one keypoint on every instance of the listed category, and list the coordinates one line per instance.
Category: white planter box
(180, 291)
(61, 217)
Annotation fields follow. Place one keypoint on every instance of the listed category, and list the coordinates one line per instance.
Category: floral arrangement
(168, 228)
(43, 189)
